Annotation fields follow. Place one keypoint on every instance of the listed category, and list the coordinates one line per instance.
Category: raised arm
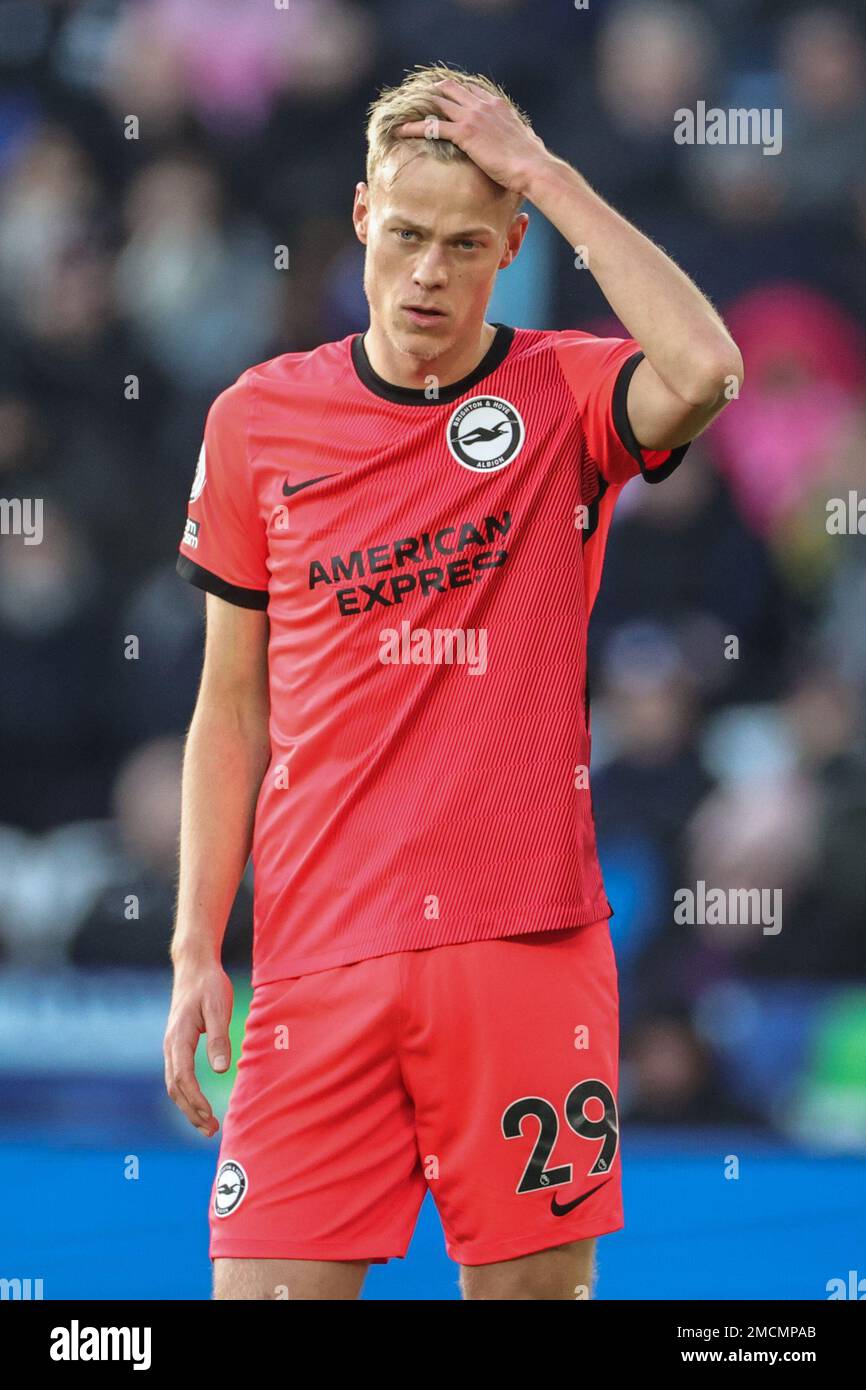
(691, 362)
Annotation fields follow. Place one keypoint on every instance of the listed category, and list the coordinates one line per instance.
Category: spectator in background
(131, 918)
(807, 373)
(54, 627)
(651, 57)
(651, 781)
(65, 349)
(825, 937)
(647, 782)
(154, 685)
(822, 60)
(231, 60)
(200, 290)
(670, 1075)
(690, 556)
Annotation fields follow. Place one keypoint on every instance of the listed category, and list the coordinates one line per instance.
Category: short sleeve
(598, 372)
(224, 545)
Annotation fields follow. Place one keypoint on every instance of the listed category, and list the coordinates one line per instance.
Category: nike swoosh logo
(566, 1207)
(287, 490)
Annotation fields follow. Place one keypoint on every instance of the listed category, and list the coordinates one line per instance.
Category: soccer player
(401, 537)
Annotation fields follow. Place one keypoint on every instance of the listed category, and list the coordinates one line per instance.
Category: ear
(514, 238)
(361, 211)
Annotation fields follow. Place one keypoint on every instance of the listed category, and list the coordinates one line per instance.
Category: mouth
(420, 313)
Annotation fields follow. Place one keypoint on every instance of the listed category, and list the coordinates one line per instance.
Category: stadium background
(153, 258)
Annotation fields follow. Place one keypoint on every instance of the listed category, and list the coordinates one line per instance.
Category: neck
(406, 369)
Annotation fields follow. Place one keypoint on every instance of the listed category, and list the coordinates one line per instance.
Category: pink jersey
(428, 563)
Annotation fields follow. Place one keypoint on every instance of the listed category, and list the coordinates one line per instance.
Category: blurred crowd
(152, 157)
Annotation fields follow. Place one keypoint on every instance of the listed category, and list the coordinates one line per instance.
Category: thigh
(318, 1160)
(510, 1051)
(329, 1280)
(563, 1272)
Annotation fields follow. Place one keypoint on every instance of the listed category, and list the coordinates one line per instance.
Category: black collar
(415, 395)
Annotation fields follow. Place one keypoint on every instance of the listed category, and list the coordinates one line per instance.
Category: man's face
(436, 234)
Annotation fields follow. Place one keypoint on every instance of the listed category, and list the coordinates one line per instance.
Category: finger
(423, 129)
(182, 1067)
(206, 1124)
(216, 1025)
(187, 1084)
(197, 1112)
(457, 92)
(179, 1046)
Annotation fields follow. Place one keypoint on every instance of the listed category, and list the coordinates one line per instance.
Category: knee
(524, 1286)
(562, 1272)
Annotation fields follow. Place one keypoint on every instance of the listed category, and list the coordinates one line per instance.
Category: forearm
(227, 753)
(682, 336)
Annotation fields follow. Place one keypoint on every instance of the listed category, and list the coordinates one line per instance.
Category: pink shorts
(485, 1072)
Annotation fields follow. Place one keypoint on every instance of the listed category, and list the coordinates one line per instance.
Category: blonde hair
(414, 100)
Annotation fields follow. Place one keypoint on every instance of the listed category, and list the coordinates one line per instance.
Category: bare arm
(690, 357)
(226, 756)
(690, 360)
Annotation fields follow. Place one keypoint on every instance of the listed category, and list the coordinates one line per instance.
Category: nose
(429, 270)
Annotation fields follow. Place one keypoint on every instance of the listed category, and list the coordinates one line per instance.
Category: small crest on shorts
(229, 1188)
